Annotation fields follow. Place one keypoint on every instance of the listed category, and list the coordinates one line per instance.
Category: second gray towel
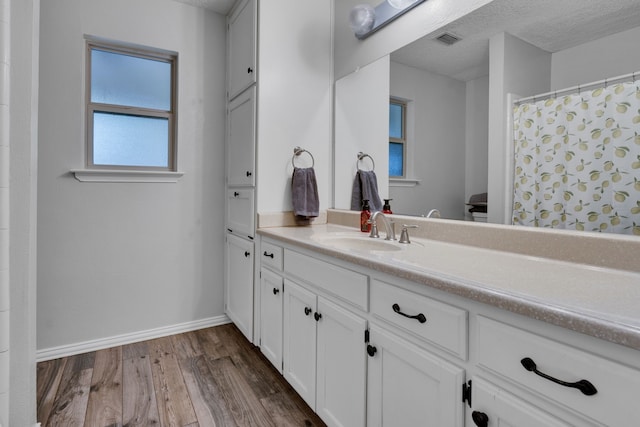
(365, 186)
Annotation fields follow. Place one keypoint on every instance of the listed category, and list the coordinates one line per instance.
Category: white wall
(351, 53)
(362, 125)
(117, 258)
(607, 57)
(5, 295)
(23, 134)
(294, 97)
(476, 138)
(436, 131)
(514, 67)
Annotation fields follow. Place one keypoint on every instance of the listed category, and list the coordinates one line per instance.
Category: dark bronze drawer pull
(371, 350)
(480, 418)
(583, 385)
(269, 255)
(419, 317)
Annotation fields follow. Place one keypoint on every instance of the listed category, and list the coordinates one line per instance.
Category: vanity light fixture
(401, 4)
(365, 19)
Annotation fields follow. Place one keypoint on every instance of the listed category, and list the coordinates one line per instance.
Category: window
(130, 108)
(397, 138)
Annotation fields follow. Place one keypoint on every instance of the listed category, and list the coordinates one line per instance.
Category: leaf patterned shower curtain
(577, 161)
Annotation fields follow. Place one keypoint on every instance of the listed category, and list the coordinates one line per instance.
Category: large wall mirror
(455, 81)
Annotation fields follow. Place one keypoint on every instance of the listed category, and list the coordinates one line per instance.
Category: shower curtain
(577, 161)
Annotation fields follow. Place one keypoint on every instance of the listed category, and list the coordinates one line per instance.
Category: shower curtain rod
(589, 86)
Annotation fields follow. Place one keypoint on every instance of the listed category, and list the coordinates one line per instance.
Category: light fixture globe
(401, 4)
(361, 19)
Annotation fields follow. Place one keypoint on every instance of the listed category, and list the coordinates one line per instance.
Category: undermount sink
(361, 243)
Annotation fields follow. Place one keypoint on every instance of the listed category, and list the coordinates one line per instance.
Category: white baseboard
(114, 341)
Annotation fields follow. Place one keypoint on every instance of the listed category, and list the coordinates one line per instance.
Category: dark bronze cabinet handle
(247, 253)
(276, 291)
(480, 418)
(317, 316)
(249, 70)
(584, 386)
(371, 350)
(236, 194)
(268, 254)
(419, 317)
(249, 173)
(307, 311)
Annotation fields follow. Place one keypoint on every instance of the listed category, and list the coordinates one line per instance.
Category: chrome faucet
(388, 225)
(433, 213)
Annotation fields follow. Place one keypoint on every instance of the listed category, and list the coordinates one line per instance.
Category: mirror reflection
(454, 84)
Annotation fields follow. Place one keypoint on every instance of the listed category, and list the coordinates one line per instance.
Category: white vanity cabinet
(324, 355)
(241, 48)
(432, 358)
(408, 386)
(239, 283)
(324, 358)
(271, 302)
(563, 379)
(493, 406)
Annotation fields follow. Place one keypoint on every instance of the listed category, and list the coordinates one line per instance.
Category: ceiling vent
(448, 39)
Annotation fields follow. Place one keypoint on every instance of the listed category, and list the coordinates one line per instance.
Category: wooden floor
(210, 377)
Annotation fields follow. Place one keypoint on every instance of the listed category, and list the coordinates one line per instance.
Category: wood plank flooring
(210, 377)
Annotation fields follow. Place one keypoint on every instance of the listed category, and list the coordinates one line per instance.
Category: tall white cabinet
(279, 95)
(240, 155)
(241, 38)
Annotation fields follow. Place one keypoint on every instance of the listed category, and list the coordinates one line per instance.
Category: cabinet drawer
(501, 349)
(343, 283)
(271, 255)
(438, 323)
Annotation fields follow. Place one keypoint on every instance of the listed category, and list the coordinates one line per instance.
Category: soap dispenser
(386, 209)
(365, 216)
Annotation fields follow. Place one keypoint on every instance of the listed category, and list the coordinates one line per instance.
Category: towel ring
(297, 151)
(361, 156)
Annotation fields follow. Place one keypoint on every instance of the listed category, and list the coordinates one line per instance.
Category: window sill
(403, 182)
(105, 175)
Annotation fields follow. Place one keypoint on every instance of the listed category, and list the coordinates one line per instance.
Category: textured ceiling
(551, 25)
(219, 6)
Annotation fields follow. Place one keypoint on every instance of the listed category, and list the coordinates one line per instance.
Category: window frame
(403, 139)
(93, 107)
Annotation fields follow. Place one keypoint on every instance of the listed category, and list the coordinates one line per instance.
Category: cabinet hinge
(366, 336)
(466, 393)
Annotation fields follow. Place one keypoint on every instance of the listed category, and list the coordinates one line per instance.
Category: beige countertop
(595, 300)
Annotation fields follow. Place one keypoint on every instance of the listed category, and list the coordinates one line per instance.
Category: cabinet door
(240, 211)
(241, 139)
(299, 353)
(242, 48)
(408, 386)
(271, 297)
(239, 283)
(495, 407)
(341, 366)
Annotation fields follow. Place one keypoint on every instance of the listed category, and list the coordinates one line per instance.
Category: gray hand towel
(304, 193)
(365, 186)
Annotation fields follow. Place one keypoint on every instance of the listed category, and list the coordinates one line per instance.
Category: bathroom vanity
(439, 333)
